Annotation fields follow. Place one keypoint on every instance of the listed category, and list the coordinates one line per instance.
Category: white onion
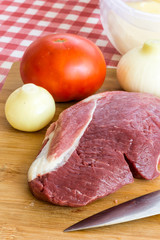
(29, 108)
(139, 69)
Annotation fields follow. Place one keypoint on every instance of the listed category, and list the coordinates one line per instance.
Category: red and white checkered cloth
(22, 21)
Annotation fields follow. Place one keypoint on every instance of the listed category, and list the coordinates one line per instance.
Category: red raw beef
(97, 146)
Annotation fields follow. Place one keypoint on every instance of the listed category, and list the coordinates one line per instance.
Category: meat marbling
(97, 146)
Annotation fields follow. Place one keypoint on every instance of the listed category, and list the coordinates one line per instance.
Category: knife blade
(137, 208)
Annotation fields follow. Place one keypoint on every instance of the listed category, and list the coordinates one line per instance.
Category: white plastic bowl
(126, 27)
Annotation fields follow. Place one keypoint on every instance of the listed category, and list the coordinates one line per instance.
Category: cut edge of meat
(43, 165)
(133, 169)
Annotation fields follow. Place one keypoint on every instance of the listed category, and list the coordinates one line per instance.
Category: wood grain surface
(22, 217)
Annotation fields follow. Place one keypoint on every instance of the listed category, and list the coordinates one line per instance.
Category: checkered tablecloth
(22, 21)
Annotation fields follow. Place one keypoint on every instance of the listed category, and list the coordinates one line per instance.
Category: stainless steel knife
(141, 207)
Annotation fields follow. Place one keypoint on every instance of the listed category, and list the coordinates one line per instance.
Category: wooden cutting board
(22, 217)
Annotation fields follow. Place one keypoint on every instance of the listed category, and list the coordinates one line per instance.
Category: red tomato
(70, 67)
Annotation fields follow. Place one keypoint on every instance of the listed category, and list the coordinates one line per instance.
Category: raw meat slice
(97, 146)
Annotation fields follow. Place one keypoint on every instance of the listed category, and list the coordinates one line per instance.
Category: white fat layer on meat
(94, 97)
(42, 165)
(158, 162)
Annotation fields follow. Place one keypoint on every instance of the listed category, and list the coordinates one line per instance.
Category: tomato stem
(60, 40)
